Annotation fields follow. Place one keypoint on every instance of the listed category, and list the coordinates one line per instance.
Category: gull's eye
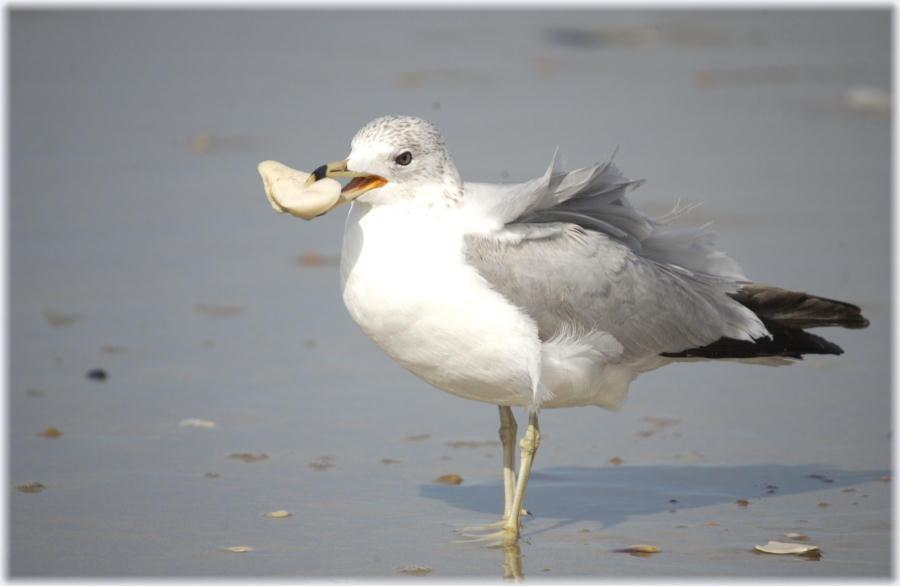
(404, 158)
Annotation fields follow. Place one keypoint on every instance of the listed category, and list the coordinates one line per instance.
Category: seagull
(554, 292)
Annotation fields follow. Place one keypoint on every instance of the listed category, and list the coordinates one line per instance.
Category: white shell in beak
(287, 191)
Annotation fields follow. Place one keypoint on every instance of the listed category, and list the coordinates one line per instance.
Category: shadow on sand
(611, 495)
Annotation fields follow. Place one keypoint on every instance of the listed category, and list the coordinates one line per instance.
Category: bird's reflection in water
(512, 561)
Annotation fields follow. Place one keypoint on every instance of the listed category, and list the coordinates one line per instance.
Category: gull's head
(397, 159)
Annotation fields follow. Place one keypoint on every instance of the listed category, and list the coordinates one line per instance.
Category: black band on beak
(320, 172)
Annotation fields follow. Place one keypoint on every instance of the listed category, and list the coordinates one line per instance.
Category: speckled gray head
(407, 131)
(411, 155)
(398, 160)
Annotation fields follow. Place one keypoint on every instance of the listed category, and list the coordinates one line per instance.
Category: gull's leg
(508, 430)
(528, 446)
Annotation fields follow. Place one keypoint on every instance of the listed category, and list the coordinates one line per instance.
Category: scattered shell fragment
(248, 457)
(796, 536)
(321, 463)
(658, 424)
(51, 432)
(287, 191)
(280, 514)
(711, 524)
(112, 349)
(239, 548)
(417, 438)
(194, 422)
(211, 475)
(415, 570)
(389, 461)
(448, 479)
(661, 421)
(199, 142)
(639, 550)
(543, 66)
(33, 487)
(742, 502)
(56, 318)
(318, 259)
(616, 461)
(690, 457)
(202, 142)
(781, 548)
(471, 444)
(868, 99)
(821, 477)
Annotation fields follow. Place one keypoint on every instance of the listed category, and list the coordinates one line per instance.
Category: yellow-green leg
(508, 429)
(528, 445)
(513, 487)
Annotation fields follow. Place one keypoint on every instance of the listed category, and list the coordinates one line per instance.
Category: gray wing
(569, 279)
(595, 198)
(576, 255)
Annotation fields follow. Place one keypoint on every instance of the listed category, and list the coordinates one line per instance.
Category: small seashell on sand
(448, 479)
(280, 514)
(194, 422)
(781, 548)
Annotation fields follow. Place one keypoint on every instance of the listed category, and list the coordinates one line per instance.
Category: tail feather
(786, 314)
(795, 309)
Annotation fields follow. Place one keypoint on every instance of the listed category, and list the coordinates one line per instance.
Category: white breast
(405, 283)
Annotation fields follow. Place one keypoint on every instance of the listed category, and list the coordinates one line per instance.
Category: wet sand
(191, 350)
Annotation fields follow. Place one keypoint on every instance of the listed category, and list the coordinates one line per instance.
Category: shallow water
(141, 243)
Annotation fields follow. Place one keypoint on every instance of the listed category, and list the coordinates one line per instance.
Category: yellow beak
(359, 184)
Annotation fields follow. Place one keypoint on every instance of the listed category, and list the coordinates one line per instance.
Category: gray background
(141, 243)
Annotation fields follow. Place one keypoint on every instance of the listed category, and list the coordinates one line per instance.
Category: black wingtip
(785, 342)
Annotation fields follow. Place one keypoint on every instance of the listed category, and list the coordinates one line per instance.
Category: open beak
(359, 184)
